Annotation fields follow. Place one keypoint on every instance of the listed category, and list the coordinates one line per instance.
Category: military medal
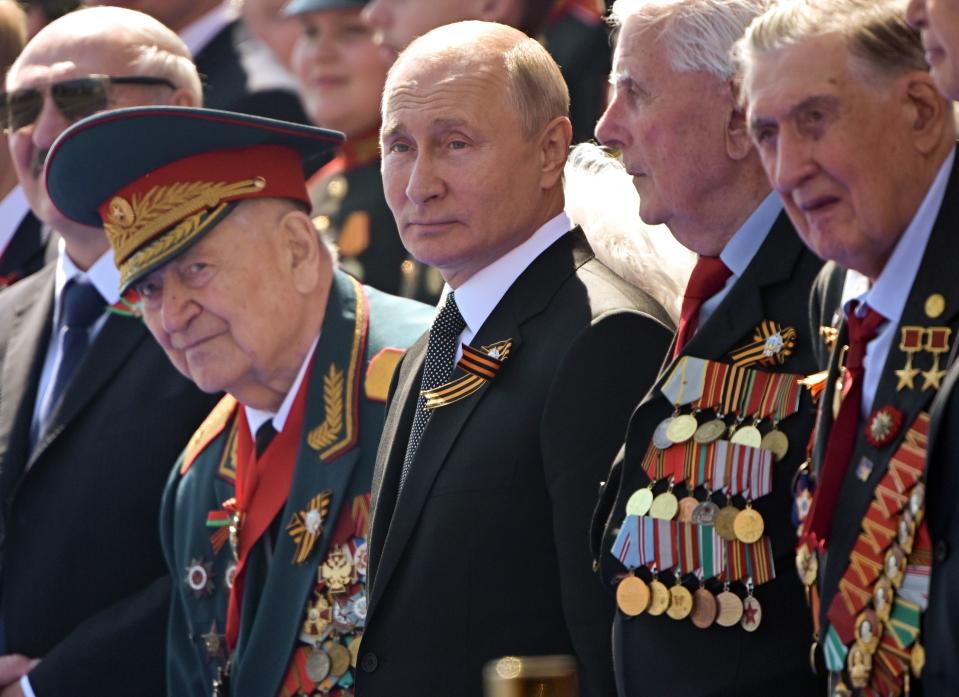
(882, 595)
(772, 344)
(214, 643)
(199, 577)
(917, 659)
(747, 435)
(660, 439)
(710, 431)
(680, 601)
(910, 341)
(894, 565)
(859, 665)
(632, 595)
(917, 498)
(807, 565)
(681, 428)
(868, 631)
(704, 608)
(729, 608)
(725, 521)
(748, 525)
(752, 612)
(339, 658)
(317, 665)
(687, 506)
(659, 598)
(705, 513)
(883, 426)
(640, 502)
(337, 569)
(665, 505)
(776, 442)
(906, 532)
(306, 526)
(684, 385)
(937, 343)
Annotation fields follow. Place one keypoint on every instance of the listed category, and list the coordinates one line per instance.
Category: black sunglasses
(74, 98)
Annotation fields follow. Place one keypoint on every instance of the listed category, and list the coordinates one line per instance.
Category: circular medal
(687, 505)
(777, 443)
(917, 499)
(729, 609)
(640, 501)
(704, 608)
(680, 603)
(747, 435)
(882, 595)
(682, 428)
(752, 614)
(664, 506)
(868, 631)
(339, 659)
(894, 565)
(705, 513)
(660, 440)
(632, 596)
(317, 665)
(748, 525)
(859, 664)
(724, 522)
(710, 431)
(807, 565)
(906, 532)
(659, 598)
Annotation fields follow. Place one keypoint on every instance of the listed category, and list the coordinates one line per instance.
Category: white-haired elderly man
(695, 520)
(861, 147)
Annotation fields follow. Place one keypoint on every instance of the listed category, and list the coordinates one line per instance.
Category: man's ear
(738, 143)
(183, 97)
(301, 247)
(554, 145)
(928, 112)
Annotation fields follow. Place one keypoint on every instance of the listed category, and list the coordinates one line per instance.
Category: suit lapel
(325, 462)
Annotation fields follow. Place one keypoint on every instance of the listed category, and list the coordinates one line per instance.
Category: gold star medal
(306, 526)
(910, 341)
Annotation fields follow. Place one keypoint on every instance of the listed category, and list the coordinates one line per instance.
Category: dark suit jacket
(659, 656)
(83, 582)
(225, 83)
(484, 553)
(25, 253)
(936, 275)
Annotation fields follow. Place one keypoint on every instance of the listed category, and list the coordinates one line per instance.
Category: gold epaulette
(211, 427)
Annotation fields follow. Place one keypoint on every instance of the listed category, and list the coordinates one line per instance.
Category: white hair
(698, 34)
(601, 198)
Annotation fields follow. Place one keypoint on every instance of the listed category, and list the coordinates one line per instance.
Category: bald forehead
(61, 53)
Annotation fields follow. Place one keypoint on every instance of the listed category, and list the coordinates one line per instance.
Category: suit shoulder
(395, 321)
(609, 294)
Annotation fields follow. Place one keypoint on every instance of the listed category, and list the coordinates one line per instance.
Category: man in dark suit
(675, 118)
(484, 484)
(861, 146)
(91, 413)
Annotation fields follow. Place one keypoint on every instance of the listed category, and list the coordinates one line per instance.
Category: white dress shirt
(257, 417)
(479, 295)
(889, 293)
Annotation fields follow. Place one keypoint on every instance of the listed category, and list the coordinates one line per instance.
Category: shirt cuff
(25, 686)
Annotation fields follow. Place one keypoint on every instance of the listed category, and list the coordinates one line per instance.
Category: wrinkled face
(398, 22)
(226, 310)
(836, 148)
(461, 178)
(669, 127)
(53, 61)
(938, 21)
(341, 71)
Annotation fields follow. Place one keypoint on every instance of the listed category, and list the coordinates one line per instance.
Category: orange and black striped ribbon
(480, 367)
(754, 353)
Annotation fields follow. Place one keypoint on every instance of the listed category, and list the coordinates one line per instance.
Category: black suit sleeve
(120, 642)
(604, 374)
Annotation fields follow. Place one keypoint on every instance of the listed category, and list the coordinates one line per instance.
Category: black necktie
(82, 305)
(264, 436)
(437, 370)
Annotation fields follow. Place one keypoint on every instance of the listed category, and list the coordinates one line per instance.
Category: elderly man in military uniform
(265, 515)
(861, 146)
(693, 530)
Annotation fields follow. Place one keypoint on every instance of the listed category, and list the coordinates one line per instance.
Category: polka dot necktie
(437, 370)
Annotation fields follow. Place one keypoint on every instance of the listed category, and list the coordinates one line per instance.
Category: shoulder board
(211, 427)
(379, 373)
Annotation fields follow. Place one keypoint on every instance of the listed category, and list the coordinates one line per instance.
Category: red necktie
(842, 435)
(708, 278)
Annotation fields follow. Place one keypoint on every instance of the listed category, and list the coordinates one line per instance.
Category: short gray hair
(875, 32)
(698, 34)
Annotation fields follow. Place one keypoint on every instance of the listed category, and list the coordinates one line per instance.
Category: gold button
(935, 305)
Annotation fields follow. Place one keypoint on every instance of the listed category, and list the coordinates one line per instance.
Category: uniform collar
(257, 417)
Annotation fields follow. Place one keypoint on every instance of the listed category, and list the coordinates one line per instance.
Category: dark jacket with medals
(483, 554)
(294, 621)
(658, 655)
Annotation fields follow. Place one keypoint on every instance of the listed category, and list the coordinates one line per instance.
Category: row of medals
(704, 609)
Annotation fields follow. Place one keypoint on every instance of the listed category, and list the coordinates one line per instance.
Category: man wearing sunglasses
(91, 412)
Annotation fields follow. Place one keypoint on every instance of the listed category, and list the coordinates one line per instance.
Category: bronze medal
(882, 597)
(777, 443)
(859, 665)
(680, 602)
(868, 631)
(710, 431)
(807, 565)
(725, 520)
(681, 428)
(704, 609)
(705, 513)
(752, 614)
(687, 505)
(747, 435)
(339, 658)
(640, 501)
(632, 595)
(729, 609)
(664, 506)
(894, 565)
(317, 665)
(660, 440)
(659, 598)
(748, 525)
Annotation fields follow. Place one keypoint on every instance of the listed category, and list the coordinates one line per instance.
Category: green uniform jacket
(364, 334)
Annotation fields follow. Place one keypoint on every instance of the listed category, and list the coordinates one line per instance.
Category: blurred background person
(572, 30)
(214, 33)
(341, 73)
(41, 12)
(22, 238)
